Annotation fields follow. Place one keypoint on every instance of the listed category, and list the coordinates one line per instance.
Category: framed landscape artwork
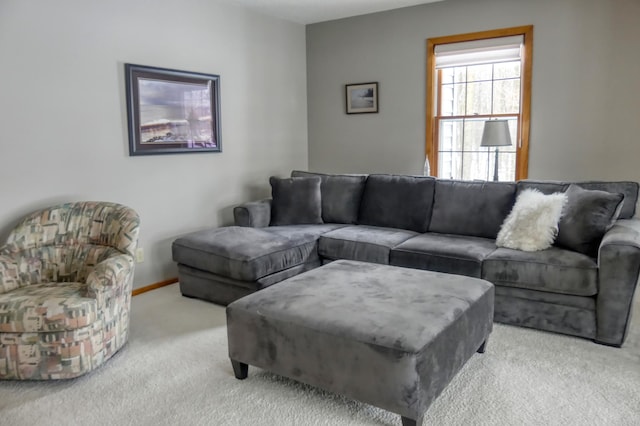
(361, 98)
(171, 111)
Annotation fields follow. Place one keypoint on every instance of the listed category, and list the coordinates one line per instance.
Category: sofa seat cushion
(245, 254)
(553, 270)
(364, 243)
(47, 307)
(453, 254)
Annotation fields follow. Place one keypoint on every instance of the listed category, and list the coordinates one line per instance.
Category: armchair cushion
(46, 307)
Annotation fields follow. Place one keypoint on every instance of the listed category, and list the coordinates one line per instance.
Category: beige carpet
(175, 371)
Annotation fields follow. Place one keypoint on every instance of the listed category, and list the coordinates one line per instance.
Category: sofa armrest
(110, 283)
(9, 274)
(618, 271)
(254, 214)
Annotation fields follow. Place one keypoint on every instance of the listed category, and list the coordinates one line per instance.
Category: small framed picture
(171, 111)
(361, 98)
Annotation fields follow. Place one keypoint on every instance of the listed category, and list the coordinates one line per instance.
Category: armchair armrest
(254, 214)
(618, 271)
(110, 282)
(9, 274)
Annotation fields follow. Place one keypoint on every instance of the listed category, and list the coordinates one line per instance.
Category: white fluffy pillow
(532, 224)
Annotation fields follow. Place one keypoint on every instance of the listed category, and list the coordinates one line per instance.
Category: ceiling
(311, 11)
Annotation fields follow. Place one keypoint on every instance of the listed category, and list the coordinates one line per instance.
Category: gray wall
(63, 124)
(584, 120)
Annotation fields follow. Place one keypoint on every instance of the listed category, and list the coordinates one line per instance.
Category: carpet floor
(175, 371)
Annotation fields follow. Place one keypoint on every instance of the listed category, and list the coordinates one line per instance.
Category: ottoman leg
(406, 421)
(240, 369)
(482, 347)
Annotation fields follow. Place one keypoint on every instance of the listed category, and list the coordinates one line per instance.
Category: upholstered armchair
(65, 290)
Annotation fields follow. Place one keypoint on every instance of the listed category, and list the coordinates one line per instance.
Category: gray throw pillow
(341, 195)
(586, 217)
(296, 201)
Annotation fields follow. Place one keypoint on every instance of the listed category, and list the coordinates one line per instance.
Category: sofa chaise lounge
(581, 286)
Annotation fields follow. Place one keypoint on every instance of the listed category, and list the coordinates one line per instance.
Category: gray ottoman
(387, 336)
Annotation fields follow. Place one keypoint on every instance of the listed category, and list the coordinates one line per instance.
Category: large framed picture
(171, 111)
(361, 98)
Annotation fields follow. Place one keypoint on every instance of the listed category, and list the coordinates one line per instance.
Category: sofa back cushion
(475, 208)
(628, 189)
(341, 195)
(397, 201)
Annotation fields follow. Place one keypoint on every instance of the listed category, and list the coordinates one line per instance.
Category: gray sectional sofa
(433, 224)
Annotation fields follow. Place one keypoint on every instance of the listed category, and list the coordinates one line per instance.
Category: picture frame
(361, 98)
(171, 111)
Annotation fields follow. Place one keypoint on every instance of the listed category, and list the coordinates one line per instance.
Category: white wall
(586, 62)
(63, 124)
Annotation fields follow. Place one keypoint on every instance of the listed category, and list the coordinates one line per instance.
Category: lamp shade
(496, 133)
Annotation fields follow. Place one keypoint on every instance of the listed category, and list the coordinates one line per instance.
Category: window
(472, 78)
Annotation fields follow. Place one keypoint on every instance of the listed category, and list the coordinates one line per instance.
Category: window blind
(490, 50)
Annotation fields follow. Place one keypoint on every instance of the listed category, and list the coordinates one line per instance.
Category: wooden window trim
(522, 150)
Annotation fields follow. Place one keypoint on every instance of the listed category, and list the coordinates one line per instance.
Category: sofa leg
(482, 347)
(240, 369)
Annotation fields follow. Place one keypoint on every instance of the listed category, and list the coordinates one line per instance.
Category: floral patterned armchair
(65, 290)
